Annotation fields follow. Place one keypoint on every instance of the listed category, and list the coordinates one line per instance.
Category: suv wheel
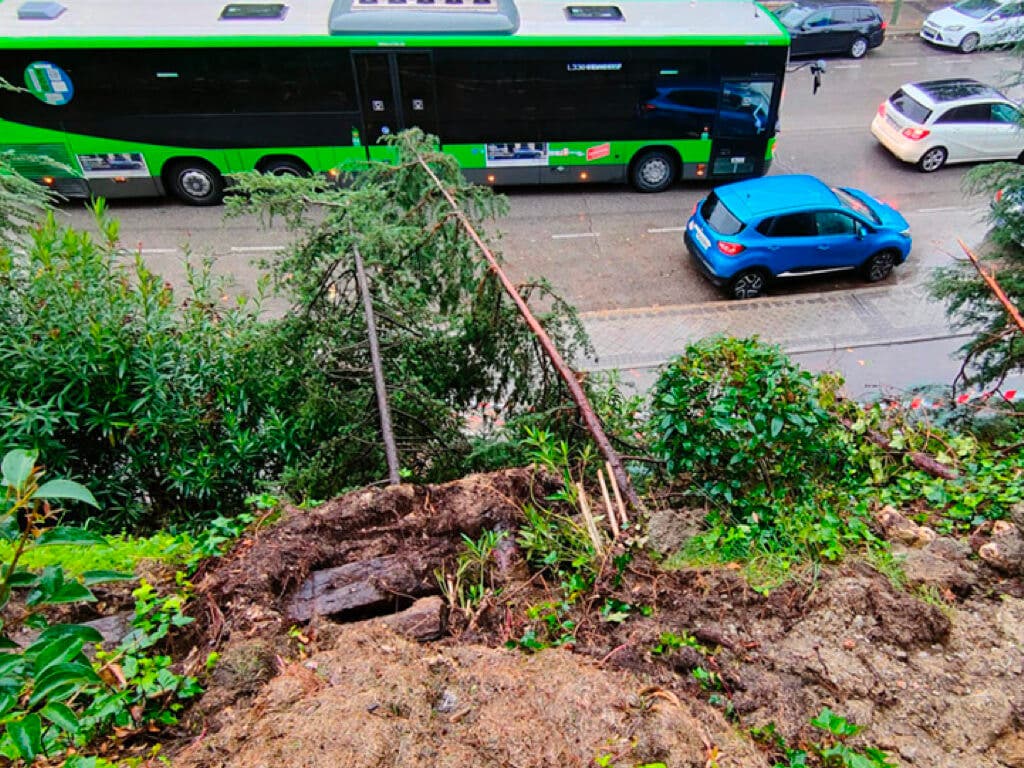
(970, 43)
(858, 48)
(879, 266)
(748, 284)
(932, 160)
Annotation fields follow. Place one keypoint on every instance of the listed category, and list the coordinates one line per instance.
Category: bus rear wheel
(195, 182)
(653, 171)
(285, 167)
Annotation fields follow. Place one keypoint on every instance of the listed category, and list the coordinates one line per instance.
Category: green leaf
(65, 489)
(61, 716)
(89, 578)
(17, 467)
(56, 652)
(80, 631)
(9, 530)
(7, 702)
(58, 676)
(777, 424)
(27, 735)
(66, 535)
(22, 578)
(71, 592)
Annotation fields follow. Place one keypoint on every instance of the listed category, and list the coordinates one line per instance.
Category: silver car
(972, 24)
(949, 121)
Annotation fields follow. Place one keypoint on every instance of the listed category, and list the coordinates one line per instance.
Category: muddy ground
(315, 670)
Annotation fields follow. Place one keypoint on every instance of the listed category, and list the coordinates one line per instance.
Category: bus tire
(653, 171)
(195, 182)
(284, 166)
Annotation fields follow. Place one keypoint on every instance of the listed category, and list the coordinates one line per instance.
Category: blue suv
(746, 234)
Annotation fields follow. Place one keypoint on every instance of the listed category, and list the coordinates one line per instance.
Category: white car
(949, 121)
(973, 24)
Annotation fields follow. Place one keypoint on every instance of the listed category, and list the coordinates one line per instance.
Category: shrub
(105, 373)
(741, 421)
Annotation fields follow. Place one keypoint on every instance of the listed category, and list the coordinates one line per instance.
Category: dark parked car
(831, 26)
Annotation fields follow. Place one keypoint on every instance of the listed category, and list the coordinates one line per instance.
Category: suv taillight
(885, 25)
(729, 249)
(915, 134)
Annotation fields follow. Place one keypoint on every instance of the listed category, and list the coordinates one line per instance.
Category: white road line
(902, 63)
(244, 248)
(576, 234)
(149, 251)
(845, 66)
(939, 210)
(659, 230)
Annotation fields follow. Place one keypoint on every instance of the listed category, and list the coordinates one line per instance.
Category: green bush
(107, 374)
(743, 423)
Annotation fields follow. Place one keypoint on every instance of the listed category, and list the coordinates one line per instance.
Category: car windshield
(793, 14)
(856, 204)
(718, 217)
(909, 107)
(976, 9)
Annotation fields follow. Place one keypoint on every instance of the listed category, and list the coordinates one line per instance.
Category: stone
(423, 620)
(899, 528)
(668, 530)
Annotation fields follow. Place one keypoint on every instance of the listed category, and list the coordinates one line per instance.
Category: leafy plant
(745, 424)
(472, 580)
(550, 627)
(832, 752)
(52, 696)
(670, 641)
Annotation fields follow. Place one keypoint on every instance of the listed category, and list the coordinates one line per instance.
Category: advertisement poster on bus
(113, 164)
(517, 153)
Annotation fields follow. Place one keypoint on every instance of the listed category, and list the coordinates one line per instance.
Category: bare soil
(932, 671)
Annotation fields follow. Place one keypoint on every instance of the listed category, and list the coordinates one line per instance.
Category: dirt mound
(379, 700)
(933, 676)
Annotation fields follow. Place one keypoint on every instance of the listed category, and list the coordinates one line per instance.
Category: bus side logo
(49, 83)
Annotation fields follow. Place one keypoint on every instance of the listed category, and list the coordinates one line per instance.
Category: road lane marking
(576, 234)
(659, 230)
(155, 251)
(939, 210)
(244, 248)
(902, 63)
(845, 66)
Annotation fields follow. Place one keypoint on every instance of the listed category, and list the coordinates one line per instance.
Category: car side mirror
(861, 231)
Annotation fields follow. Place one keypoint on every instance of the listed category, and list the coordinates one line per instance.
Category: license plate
(701, 237)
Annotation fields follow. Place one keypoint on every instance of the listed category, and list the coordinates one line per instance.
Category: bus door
(743, 126)
(396, 91)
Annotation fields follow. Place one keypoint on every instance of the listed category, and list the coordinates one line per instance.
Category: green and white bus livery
(142, 99)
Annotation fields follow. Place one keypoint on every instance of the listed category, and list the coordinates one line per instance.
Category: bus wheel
(285, 167)
(196, 183)
(653, 171)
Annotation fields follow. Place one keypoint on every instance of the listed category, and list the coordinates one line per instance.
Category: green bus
(145, 99)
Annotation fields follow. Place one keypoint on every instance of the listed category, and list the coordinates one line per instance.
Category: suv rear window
(908, 107)
(718, 217)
